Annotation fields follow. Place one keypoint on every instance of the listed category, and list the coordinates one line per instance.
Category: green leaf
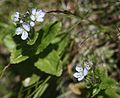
(9, 43)
(32, 38)
(100, 96)
(107, 83)
(95, 92)
(49, 33)
(22, 51)
(111, 93)
(62, 44)
(50, 64)
(16, 54)
(17, 57)
(41, 90)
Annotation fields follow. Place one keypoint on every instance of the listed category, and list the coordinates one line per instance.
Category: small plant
(63, 53)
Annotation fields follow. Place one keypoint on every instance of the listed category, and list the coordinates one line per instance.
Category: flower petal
(39, 19)
(19, 30)
(79, 68)
(78, 75)
(34, 10)
(24, 35)
(32, 24)
(26, 26)
(40, 13)
(81, 78)
(32, 17)
(85, 71)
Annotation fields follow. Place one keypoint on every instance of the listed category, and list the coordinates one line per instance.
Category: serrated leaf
(16, 54)
(48, 35)
(17, 57)
(50, 64)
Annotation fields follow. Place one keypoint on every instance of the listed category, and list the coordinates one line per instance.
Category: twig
(65, 12)
(5, 68)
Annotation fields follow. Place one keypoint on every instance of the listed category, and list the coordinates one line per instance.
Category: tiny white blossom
(32, 24)
(37, 15)
(24, 35)
(19, 31)
(81, 72)
(22, 32)
(79, 76)
(15, 17)
(26, 26)
(40, 13)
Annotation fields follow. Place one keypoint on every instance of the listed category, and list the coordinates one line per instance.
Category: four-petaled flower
(37, 15)
(81, 72)
(23, 31)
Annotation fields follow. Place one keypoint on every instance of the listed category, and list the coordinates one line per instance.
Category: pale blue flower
(37, 15)
(23, 31)
(81, 72)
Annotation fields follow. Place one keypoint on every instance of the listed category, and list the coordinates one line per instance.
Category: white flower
(20, 31)
(24, 35)
(81, 72)
(15, 17)
(32, 24)
(37, 15)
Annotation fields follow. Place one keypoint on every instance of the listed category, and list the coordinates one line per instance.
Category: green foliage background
(74, 31)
